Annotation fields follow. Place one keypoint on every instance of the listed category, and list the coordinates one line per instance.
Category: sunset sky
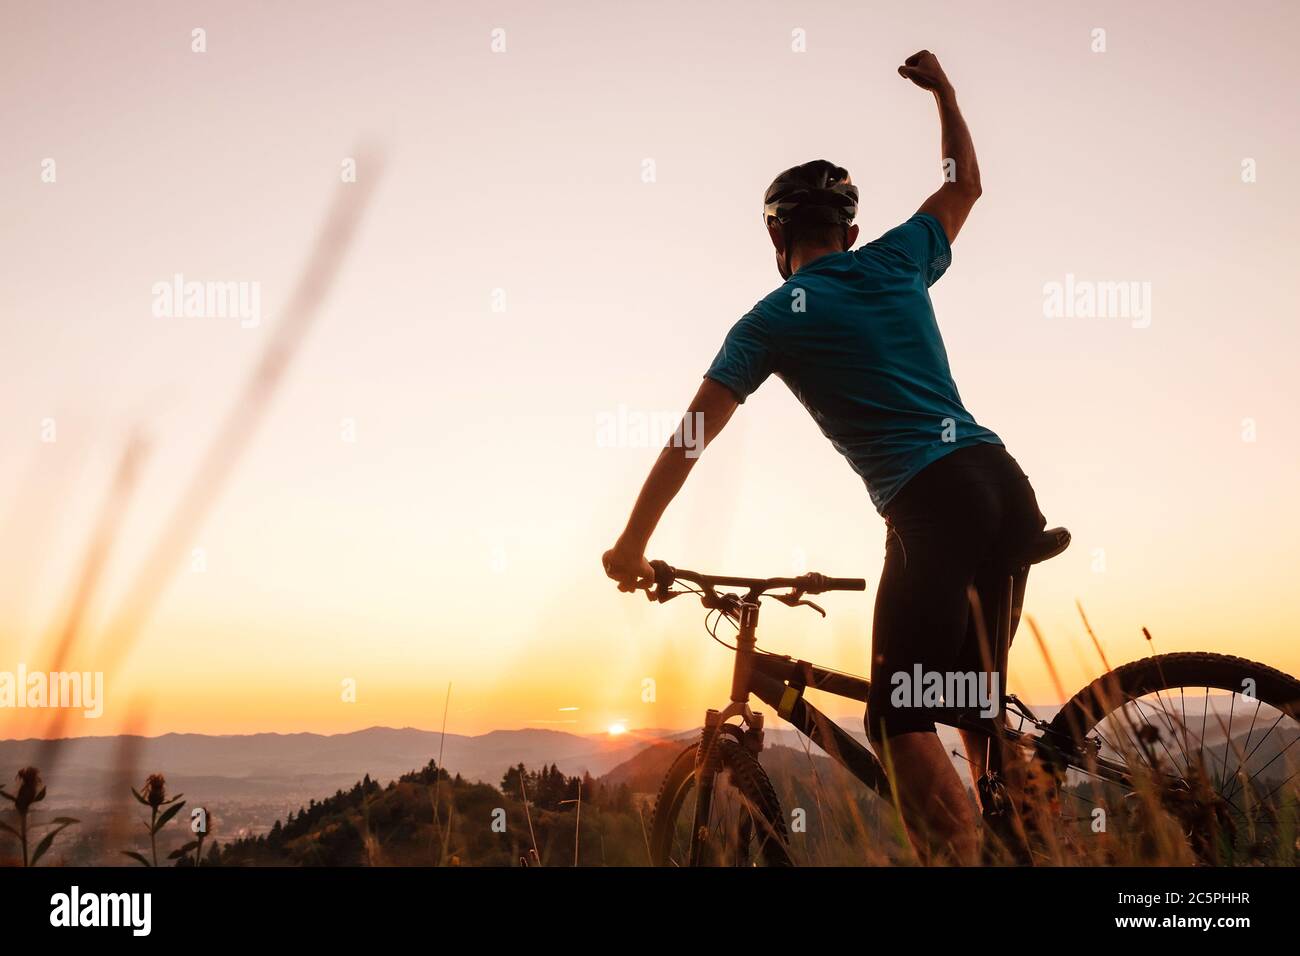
(517, 282)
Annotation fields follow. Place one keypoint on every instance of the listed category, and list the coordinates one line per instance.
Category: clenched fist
(924, 70)
(628, 567)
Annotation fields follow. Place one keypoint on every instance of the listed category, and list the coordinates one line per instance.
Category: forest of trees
(427, 816)
(550, 789)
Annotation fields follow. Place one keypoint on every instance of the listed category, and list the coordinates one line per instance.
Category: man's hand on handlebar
(628, 567)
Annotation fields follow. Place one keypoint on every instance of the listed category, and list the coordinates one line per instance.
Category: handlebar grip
(846, 584)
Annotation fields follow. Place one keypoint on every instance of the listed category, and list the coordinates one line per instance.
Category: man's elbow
(962, 192)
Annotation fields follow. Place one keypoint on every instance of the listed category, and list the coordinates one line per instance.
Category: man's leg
(976, 745)
(937, 811)
(939, 531)
(919, 623)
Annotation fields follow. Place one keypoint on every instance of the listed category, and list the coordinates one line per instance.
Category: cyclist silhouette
(853, 334)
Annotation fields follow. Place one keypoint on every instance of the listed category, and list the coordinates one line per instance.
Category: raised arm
(706, 416)
(952, 202)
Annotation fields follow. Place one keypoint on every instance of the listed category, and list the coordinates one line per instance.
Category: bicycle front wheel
(745, 826)
(1207, 745)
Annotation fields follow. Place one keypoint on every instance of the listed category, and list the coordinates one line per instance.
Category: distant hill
(269, 766)
(475, 824)
(643, 772)
(371, 823)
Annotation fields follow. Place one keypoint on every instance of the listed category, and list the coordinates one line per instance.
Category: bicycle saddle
(1044, 545)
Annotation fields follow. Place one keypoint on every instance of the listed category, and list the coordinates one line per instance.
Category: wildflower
(154, 796)
(155, 790)
(30, 789)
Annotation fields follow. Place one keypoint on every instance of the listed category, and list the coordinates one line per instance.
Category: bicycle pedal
(995, 800)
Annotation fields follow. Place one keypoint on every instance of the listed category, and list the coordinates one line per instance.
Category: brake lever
(795, 599)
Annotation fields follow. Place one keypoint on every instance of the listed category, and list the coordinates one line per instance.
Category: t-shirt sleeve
(745, 359)
(922, 240)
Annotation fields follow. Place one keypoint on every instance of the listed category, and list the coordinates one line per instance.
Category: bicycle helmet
(816, 192)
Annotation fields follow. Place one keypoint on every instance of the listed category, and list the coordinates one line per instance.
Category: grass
(1175, 813)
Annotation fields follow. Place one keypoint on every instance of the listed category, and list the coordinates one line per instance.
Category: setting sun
(616, 729)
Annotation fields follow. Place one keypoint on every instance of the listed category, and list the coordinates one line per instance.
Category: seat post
(1002, 649)
(993, 792)
(1005, 611)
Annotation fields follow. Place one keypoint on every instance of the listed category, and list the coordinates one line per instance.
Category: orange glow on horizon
(426, 498)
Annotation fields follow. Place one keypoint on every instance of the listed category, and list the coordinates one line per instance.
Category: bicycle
(1094, 736)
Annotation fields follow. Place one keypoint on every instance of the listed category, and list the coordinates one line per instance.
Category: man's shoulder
(791, 299)
(775, 302)
(768, 311)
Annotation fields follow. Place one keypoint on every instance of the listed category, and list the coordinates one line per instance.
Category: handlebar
(812, 583)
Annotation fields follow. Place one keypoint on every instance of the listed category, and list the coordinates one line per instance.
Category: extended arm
(706, 416)
(952, 202)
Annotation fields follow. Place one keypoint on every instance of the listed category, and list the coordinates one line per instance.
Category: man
(853, 335)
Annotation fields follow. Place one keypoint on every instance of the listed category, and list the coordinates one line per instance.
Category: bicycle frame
(780, 681)
(1068, 743)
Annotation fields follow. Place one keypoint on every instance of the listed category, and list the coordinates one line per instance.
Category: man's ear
(778, 240)
(852, 237)
(778, 243)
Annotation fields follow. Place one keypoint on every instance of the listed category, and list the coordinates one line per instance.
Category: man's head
(809, 212)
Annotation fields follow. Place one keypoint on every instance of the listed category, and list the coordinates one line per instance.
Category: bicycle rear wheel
(1208, 743)
(745, 825)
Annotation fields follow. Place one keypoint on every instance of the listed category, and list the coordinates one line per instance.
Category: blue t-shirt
(853, 335)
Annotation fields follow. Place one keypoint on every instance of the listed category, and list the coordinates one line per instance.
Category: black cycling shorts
(951, 527)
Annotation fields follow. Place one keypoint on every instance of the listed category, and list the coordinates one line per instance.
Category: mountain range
(267, 766)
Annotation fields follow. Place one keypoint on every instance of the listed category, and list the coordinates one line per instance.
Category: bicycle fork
(708, 758)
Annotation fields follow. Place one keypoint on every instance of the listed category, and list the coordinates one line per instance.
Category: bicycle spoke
(1122, 726)
(1183, 699)
(1269, 764)
(1228, 743)
(1132, 731)
(1187, 761)
(1261, 742)
(1200, 755)
(1245, 746)
(1102, 736)
(1281, 785)
(1138, 704)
